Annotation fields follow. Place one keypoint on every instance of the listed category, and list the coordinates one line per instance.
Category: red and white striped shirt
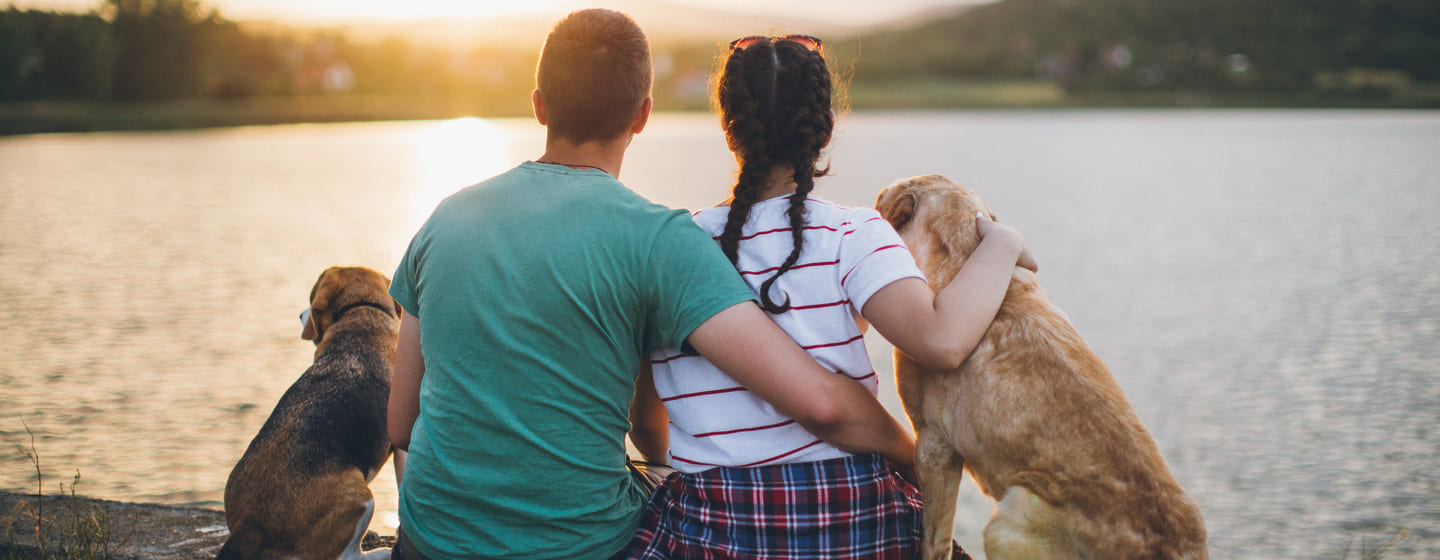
(848, 255)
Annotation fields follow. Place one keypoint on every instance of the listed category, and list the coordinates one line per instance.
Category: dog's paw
(377, 554)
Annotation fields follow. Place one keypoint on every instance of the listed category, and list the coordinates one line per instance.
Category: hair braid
(748, 136)
(774, 100)
(808, 132)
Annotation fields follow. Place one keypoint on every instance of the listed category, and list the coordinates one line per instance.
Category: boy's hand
(1011, 235)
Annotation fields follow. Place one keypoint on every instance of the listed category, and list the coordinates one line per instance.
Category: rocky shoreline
(81, 528)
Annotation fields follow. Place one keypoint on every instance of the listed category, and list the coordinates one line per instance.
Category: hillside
(1379, 46)
(174, 63)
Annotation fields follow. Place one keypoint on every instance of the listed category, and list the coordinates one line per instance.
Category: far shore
(33, 117)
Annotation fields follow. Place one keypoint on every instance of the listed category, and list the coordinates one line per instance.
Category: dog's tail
(245, 546)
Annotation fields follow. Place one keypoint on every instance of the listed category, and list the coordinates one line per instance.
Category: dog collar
(343, 310)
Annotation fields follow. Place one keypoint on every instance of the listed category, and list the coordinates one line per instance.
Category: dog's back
(301, 487)
(1044, 389)
(1034, 415)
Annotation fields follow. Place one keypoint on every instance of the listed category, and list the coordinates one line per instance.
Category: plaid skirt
(853, 507)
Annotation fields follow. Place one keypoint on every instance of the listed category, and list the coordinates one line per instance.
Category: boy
(540, 291)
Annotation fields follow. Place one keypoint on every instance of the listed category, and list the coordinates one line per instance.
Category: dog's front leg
(940, 467)
(352, 550)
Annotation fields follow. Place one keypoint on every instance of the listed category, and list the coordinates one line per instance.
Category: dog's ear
(320, 297)
(399, 311)
(311, 331)
(902, 212)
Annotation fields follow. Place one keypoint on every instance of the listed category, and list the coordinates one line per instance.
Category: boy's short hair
(594, 74)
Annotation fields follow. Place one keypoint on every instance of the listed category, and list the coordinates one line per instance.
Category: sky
(848, 12)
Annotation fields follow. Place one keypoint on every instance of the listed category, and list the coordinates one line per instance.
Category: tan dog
(1033, 414)
(302, 488)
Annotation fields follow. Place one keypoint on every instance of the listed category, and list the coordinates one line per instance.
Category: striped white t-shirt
(848, 255)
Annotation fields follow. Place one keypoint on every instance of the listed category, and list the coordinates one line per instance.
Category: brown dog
(1033, 414)
(302, 488)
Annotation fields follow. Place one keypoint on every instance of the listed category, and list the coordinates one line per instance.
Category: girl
(752, 483)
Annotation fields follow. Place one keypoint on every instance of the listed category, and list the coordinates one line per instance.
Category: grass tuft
(81, 530)
(1366, 553)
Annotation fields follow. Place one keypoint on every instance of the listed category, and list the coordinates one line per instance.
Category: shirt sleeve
(690, 281)
(872, 255)
(403, 284)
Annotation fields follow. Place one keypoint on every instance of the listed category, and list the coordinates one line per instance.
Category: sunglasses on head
(807, 41)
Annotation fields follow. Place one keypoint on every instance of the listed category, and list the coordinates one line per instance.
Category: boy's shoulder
(542, 187)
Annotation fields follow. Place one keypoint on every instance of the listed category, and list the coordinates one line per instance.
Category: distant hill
(1262, 45)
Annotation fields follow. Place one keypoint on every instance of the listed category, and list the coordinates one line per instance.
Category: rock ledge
(80, 527)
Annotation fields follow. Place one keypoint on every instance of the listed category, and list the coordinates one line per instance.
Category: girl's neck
(779, 182)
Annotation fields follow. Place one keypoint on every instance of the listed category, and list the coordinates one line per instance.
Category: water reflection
(153, 279)
(1263, 284)
(454, 153)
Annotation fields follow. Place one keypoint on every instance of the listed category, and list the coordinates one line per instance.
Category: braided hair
(774, 101)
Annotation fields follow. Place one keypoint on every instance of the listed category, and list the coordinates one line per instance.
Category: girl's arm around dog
(938, 330)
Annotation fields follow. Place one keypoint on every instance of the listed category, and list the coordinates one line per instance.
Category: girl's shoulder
(825, 213)
(711, 219)
(818, 212)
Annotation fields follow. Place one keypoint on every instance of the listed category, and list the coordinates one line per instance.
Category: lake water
(1265, 286)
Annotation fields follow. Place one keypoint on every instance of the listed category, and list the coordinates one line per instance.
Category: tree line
(129, 50)
(161, 50)
(157, 50)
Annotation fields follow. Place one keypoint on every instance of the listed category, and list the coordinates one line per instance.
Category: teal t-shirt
(538, 293)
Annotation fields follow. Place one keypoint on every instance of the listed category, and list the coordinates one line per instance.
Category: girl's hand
(1011, 235)
(907, 472)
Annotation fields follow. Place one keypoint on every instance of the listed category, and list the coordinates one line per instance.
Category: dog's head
(341, 289)
(936, 218)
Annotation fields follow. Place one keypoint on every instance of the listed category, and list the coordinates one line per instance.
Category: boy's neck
(604, 155)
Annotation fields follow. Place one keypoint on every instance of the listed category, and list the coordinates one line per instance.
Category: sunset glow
(376, 10)
(452, 154)
(846, 12)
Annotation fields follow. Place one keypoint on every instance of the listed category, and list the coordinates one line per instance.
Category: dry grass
(1367, 553)
(80, 530)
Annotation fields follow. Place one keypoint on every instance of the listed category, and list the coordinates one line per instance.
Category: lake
(1265, 286)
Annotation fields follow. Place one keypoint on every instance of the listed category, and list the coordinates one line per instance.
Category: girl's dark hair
(774, 101)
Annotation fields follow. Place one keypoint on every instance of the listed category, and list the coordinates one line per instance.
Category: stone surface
(80, 527)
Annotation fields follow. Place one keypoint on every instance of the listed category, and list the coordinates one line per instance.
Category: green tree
(242, 64)
(18, 54)
(46, 55)
(77, 57)
(159, 48)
